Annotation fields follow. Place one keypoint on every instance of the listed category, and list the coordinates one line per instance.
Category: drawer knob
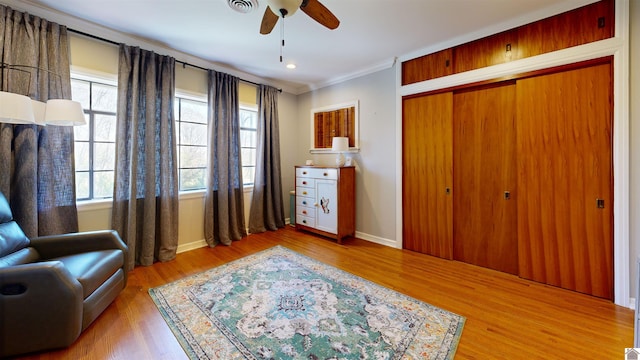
(304, 203)
(304, 193)
(304, 212)
(315, 204)
(304, 183)
(325, 174)
(304, 173)
(304, 221)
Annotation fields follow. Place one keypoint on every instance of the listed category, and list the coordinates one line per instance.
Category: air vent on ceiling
(243, 6)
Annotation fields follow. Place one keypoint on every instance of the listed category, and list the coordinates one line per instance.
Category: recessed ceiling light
(291, 66)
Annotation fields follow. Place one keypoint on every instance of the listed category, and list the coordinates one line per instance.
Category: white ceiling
(371, 35)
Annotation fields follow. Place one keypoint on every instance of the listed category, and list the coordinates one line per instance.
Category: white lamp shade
(39, 108)
(291, 6)
(63, 112)
(340, 144)
(16, 109)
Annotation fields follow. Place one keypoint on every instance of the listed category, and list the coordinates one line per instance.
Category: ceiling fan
(281, 8)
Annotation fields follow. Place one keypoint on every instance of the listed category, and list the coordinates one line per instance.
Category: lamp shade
(340, 144)
(290, 6)
(16, 109)
(39, 108)
(63, 112)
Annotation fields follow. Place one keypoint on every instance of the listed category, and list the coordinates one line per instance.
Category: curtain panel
(267, 209)
(224, 206)
(145, 198)
(37, 166)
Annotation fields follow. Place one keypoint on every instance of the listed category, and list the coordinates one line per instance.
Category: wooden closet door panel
(426, 174)
(484, 167)
(564, 128)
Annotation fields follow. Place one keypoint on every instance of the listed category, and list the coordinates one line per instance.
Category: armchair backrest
(12, 238)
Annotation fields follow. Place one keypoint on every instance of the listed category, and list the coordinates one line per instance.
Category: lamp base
(340, 160)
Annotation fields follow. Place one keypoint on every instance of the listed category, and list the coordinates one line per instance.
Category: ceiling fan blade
(320, 13)
(269, 20)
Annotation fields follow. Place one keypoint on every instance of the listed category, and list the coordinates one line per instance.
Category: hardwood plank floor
(507, 317)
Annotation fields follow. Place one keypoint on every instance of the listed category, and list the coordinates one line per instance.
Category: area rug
(278, 304)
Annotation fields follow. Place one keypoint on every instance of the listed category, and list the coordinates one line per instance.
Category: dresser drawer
(303, 201)
(317, 173)
(305, 192)
(305, 220)
(305, 211)
(306, 182)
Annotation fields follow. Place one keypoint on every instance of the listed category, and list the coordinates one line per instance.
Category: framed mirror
(334, 120)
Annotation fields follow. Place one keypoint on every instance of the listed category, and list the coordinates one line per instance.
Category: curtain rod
(178, 61)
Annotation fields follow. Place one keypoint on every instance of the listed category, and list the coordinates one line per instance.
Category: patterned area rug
(278, 304)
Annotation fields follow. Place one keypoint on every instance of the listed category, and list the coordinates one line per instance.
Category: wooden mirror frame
(334, 120)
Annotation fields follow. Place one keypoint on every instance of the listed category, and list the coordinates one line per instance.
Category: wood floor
(507, 317)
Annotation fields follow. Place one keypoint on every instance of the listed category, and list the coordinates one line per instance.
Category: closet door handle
(507, 195)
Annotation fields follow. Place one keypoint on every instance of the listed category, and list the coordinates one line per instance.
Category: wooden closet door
(564, 128)
(484, 168)
(426, 174)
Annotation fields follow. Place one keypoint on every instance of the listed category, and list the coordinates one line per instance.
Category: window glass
(248, 143)
(95, 142)
(104, 97)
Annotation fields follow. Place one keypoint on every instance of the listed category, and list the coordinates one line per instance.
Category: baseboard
(377, 240)
(360, 235)
(191, 246)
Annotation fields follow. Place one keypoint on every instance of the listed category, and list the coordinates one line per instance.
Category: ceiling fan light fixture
(243, 6)
(289, 6)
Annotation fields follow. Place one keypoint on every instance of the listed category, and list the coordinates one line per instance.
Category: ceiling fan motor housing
(284, 7)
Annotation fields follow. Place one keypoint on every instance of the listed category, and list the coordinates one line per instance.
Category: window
(191, 128)
(248, 140)
(191, 125)
(95, 142)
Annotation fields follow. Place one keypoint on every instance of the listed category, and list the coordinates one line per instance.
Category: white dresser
(325, 200)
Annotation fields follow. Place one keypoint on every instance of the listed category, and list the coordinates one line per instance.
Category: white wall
(375, 176)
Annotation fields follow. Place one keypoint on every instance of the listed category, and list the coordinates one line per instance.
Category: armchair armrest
(52, 246)
(41, 307)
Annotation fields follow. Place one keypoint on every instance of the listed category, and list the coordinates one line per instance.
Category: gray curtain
(267, 210)
(37, 170)
(224, 207)
(145, 197)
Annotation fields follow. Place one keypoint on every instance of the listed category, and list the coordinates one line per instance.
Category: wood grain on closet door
(565, 202)
(484, 177)
(427, 174)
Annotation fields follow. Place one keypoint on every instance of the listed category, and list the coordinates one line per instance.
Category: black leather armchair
(53, 287)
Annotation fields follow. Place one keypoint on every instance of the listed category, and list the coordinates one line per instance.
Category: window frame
(91, 114)
(178, 96)
(253, 108)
